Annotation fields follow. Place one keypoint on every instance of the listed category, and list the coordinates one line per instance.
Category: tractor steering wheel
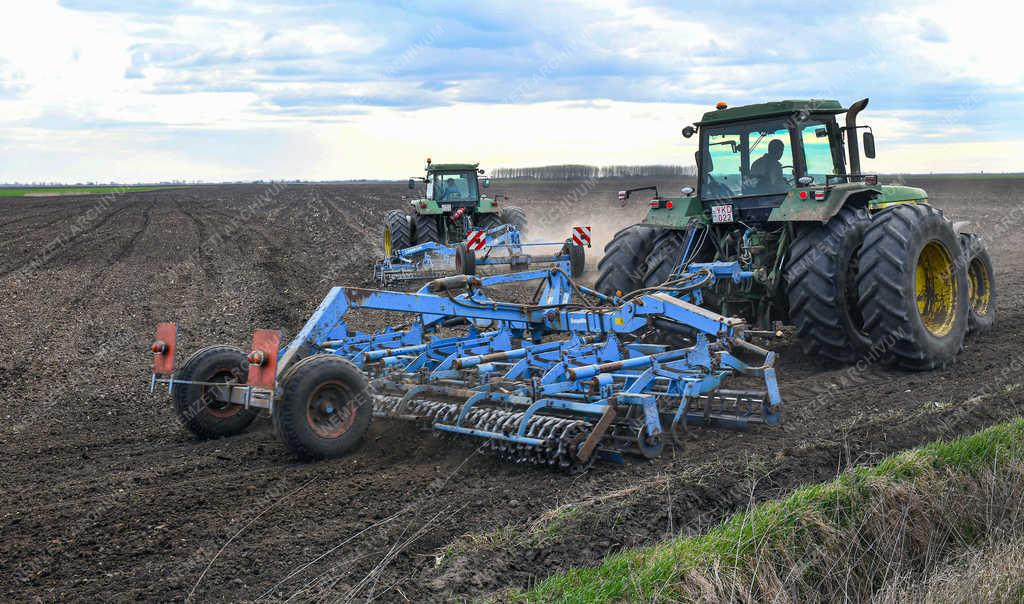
(791, 180)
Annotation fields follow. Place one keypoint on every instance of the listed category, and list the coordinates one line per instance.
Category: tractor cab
(454, 185)
(756, 155)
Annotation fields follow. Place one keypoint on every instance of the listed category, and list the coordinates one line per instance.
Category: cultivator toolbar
(559, 381)
(501, 245)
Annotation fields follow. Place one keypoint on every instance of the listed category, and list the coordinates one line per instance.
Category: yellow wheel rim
(935, 286)
(979, 287)
(387, 241)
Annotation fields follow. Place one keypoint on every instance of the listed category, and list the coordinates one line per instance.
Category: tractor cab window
(818, 152)
(753, 158)
(454, 186)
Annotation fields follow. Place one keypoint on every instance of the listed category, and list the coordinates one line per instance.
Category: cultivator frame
(557, 382)
(501, 245)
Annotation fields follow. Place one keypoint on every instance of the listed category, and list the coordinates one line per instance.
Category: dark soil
(105, 496)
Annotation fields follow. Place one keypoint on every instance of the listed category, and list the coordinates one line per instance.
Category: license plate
(446, 207)
(721, 213)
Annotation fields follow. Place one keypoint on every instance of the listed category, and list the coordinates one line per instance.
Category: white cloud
(352, 91)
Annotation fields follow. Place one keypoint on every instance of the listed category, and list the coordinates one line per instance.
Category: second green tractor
(449, 205)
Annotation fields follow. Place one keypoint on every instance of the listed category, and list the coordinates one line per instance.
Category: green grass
(841, 522)
(58, 191)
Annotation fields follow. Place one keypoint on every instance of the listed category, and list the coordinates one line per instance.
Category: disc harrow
(561, 381)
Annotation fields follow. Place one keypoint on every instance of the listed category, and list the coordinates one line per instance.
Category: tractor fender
(820, 204)
(425, 206)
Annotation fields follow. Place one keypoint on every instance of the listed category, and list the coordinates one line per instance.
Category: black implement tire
(426, 229)
(981, 284)
(397, 232)
(821, 282)
(911, 249)
(325, 407)
(203, 416)
(621, 268)
(517, 218)
(465, 260)
(487, 221)
(577, 258)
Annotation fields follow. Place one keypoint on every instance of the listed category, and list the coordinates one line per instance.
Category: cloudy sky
(221, 90)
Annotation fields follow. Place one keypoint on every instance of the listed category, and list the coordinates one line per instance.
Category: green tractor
(863, 270)
(450, 207)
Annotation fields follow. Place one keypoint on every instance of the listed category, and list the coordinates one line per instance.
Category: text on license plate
(447, 207)
(721, 213)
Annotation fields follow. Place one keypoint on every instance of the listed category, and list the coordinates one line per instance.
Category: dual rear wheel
(324, 409)
(898, 287)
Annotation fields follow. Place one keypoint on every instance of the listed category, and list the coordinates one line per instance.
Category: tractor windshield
(454, 186)
(748, 158)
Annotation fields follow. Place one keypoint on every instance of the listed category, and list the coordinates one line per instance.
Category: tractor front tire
(665, 257)
(325, 408)
(195, 404)
(397, 232)
(981, 284)
(426, 229)
(821, 279)
(913, 292)
(517, 218)
(620, 271)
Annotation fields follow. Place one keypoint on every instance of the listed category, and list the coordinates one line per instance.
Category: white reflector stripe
(476, 240)
(581, 235)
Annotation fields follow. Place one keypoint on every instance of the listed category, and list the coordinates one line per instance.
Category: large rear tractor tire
(325, 407)
(981, 284)
(426, 229)
(821, 277)
(197, 406)
(487, 221)
(397, 232)
(517, 218)
(621, 268)
(913, 294)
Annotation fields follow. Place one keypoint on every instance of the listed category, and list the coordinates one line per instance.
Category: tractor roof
(775, 108)
(451, 167)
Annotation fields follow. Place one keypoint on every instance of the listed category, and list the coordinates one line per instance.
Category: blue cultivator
(558, 381)
(501, 245)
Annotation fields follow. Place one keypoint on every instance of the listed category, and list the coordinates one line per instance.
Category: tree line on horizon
(583, 172)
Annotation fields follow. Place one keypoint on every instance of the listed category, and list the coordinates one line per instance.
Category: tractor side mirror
(487, 183)
(689, 131)
(869, 145)
(412, 184)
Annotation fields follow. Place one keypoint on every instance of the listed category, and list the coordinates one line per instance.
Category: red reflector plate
(721, 214)
(163, 362)
(263, 376)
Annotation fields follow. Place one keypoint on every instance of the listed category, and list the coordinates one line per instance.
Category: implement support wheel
(465, 260)
(199, 406)
(325, 409)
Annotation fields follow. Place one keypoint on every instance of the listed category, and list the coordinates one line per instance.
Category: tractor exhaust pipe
(851, 134)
